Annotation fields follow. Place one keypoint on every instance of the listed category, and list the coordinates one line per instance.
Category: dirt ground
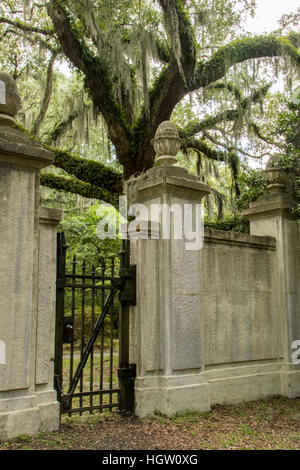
(265, 424)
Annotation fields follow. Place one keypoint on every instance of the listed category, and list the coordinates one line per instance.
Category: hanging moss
(252, 185)
(208, 123)
(97, 76)
(229, 87)
(239, 51)
(173, 27)
(234, 163)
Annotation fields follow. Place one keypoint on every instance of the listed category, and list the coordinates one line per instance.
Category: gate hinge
(128, 285)
(127, 372)
(66, 402)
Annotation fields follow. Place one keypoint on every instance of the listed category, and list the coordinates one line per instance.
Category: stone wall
(217, 324)
(239, 298)
(242, 341)
(45, 325)
(28, 401)
(241, 319)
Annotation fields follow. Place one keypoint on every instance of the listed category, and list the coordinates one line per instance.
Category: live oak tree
(139, 61)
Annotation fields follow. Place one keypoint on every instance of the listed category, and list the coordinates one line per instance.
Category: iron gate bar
(73, 318)
(112, 271)
(126, 371)
(95, 392)
(60, 302)
(92, 326)
(82, 336)
(90, 276)
(90, 343)
(87, 286)
(103, 268)
(95, 408)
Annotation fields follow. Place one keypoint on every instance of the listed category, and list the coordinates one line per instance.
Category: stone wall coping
(270, 205)
(172, 178)
(18, 149)
(238, 239)
(50, 216)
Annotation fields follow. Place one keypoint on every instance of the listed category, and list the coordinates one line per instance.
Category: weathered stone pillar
(22, 410)
(45, 329)
(166, 324)
(272, 215)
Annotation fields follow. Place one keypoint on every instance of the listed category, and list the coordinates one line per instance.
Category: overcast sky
(268, 12)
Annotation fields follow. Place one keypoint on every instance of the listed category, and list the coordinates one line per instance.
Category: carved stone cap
(15, 146)
(166, 143)
(18, 149)
(281, 179)
(49, 216)
(272, 160)
(9, 99)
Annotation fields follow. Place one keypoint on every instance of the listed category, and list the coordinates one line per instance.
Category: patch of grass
(159, 414)
(24, 438)
(86, 418)
(205, 414)
(248, 430)
(187, 417)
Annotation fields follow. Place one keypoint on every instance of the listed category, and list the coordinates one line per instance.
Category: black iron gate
(92, 370)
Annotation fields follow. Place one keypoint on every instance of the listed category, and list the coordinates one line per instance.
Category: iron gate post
(60, 301)
(126, 371)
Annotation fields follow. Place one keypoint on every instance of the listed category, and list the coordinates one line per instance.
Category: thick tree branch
(162, 51)
(208, 123)
(258, 133)
(33, 39)
(239, 51)
(209, 152)
(88, 171)
(78, 187)
(96, 77)
(254, 97)
(229, 157)
(228, 115)
(229, 87)
(231, 147)
(185, 35)
(169, 87)
(27, 27)
(62, 126)
(83, 169)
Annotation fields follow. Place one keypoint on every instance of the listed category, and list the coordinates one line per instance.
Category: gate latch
(128, 285)
(68, 329)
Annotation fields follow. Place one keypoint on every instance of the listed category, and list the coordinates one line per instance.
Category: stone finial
(9, 99)
(166, 143)
(276, 176)
(281, 179)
